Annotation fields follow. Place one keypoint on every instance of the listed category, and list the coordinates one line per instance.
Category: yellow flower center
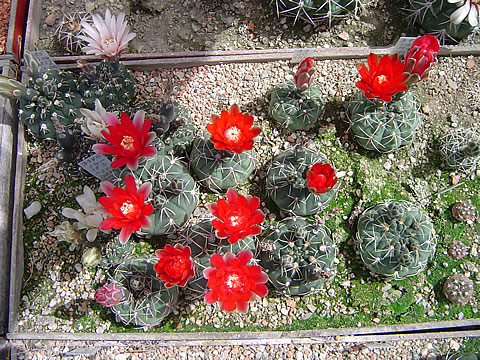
(127, 207)
(233, 133)
(108, 42)
(382, 79)
(127, 143)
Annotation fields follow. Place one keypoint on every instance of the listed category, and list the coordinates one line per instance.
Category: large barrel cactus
(384, 126)
(460, 149)
(394, 239)
(287, 182)
(298, 256)
(146, 301)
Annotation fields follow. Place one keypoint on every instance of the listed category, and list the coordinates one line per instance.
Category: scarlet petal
(210, 297)
(244, 256)
(230, 305)
(217, 261)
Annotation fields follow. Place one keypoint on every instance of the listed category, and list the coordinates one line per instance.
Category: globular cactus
(296, 104)
(460, 149)
(435, 16)
(469, 356)
(287, 182)
(69, 28)
(464, 211)
(174, 192)
(298, 256)
(457, 250)
(219, 170)
(458, 289)
(315, 11)
(394, 239)
(201, 239)
(116, 253)
(384, 126)
(147, 301)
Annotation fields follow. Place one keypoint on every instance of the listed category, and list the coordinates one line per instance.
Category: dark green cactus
(394, 239)
(458, 289)
(460, 149)
(298, 256)
(470, 356)
(146, 300)
(384, 126)
(286, 182)
(174, 192)
(219, 170)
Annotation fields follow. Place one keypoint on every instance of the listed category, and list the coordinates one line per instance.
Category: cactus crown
(458, 288)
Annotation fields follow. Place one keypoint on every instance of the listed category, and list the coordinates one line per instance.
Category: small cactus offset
(296, 104)
(464, 211)
(394, 239)
(174, 192)
(116, 253)
(315, 11)
(288, 186)
(457, 250)
(69, 28)
(147, 301)
(460, 149)
(458, 289)
(298, 256)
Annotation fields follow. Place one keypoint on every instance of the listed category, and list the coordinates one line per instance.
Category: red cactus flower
(321, 178)
(127, 207)
(421, 56)
(238, 217)
(175, 265)
(233, 284)
(109, 295)
(304, 73)
(383, 79)
(232, 130)
(128, 140)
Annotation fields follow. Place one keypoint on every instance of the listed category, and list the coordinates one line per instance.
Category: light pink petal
(138, 120)
(107, 187)
(145, 189)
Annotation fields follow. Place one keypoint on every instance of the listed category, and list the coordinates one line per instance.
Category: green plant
(458, 289)
(384, 126)
(287, 186)
(146, 301)
(460, 149)
(464, 211)
(116, 253)
(298, 256)
(470, 356)
(394, 239)
(69, 28)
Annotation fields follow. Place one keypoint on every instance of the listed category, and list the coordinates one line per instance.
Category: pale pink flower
(466, 9)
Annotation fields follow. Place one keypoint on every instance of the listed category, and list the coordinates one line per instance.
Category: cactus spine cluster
(286, 182)
(298, 256)
(394, 239)
(460, 149)
(458, 289)
(69, 28)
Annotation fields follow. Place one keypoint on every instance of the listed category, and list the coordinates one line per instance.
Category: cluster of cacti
(287, 185)
(460, 149)
(384, 126)
(69, 28)
(458, 289)
(394, 239)
(315, 11)
(298, 256)
(464, 211)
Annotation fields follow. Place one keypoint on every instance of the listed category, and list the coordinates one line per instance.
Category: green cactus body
(298, 256)
(460, 149)
(116, 253)
(110, 82)
(174, 192)
(147, 301)
(286, 182)
(434, 17)
(181, 131)
(394, 239)
(315, 11)
(470, 356)
(220, 169)
(203, 243)
(384, 127)
(294, 108)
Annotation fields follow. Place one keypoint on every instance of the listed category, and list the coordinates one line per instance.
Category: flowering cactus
(420, 58)
(175, 265)
(466, 9)
(321, 178)
(93, 122)
(109, 295)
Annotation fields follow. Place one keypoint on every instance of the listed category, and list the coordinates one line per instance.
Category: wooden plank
(32, 30)
(16, 28)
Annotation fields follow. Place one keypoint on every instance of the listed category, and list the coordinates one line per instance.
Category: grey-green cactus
(116, 253)
(384, 126)
(460, 149)
(219, 170)
(394, 239)
(298, 256)
(470, 356)
(286, 182)
(146, 300)
(458, 289)
(174, 192)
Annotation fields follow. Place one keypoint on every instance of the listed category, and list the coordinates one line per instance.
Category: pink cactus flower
(109, 295)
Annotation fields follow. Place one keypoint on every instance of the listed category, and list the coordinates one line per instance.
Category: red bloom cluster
(128, 139)
(233, 284)
(232, 130)
(238, 217)
(304, 73)
(175, 265)
(127, 207)
(321, 178)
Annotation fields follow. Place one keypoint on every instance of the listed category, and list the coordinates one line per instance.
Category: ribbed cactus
(296, 104)
(219, 170)
(147, 301)
(470, 356)
(69, 28)
(384, 126)
(458, 289)
(203, 243)
(116, 253)
(435, 16)
(174, 192)
(394, 239)
(298, 256)
(315, 11)
(287, 186)
(464, 211)
(460, 149)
